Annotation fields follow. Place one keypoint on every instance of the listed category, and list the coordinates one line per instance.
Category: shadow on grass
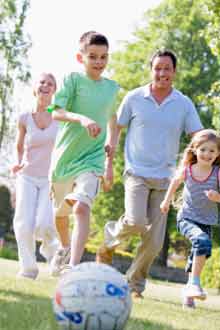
(137, 324)
(22, 311)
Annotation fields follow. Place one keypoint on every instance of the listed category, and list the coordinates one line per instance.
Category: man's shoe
(188, 302)
(105, 255)
(60, 259)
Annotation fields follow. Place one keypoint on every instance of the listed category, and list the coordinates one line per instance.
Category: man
(156, 115)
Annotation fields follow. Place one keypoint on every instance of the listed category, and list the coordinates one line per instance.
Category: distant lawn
(26, 305)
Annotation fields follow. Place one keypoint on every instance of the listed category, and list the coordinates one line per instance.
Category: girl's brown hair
(189, 156)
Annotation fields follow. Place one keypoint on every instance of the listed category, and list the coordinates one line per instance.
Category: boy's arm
(91, 126)
(174, 184)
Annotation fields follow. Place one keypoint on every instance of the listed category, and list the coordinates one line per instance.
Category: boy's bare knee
(81, 208)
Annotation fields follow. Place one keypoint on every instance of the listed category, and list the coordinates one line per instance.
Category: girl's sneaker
(188, 302)
(195, 291)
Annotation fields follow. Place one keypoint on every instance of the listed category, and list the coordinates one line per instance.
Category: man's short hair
(164, 52)
(92, 38)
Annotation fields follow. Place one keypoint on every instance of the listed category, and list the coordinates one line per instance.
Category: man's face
(95, 59)
(163, 72)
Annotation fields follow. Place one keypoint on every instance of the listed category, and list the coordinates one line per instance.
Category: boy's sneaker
(195, 291)
(188, 302)
(136, 294)
(105, 255)
(66, 269)
(60, 259)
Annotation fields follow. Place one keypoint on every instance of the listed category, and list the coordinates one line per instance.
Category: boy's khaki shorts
(84, 188)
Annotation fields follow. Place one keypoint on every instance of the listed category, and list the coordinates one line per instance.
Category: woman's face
(45, 87)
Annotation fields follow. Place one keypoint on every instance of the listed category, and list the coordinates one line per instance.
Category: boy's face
(95, 59)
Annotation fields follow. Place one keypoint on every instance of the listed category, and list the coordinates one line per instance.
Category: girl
(33, 214)
(199, 170)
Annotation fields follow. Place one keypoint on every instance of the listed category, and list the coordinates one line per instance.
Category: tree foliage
(14, 44)
(181, 26)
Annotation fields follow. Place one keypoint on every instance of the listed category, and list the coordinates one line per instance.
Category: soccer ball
(92, 296)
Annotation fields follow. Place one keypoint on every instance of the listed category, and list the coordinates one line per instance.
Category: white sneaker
(60, 259)
(31, 274)
(195, 291)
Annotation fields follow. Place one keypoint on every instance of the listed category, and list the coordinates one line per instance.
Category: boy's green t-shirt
(75, 151)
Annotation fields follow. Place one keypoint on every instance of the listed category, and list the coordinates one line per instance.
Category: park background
(32, 35)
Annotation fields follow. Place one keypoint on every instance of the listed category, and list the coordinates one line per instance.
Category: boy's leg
(80, 231)
(81, 198)
(62, 210)
(62, 227)
(24, 224)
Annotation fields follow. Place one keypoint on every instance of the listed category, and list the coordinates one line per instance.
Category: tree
(178, 25)
(14, 45)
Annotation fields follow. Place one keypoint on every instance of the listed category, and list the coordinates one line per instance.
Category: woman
(33, 218)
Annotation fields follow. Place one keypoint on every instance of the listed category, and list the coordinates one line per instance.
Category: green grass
(26, 305)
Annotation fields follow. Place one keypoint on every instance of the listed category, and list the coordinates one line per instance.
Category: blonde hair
(48, 74)
(189, 156)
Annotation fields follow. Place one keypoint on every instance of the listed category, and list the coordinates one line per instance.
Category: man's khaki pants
(142, 217)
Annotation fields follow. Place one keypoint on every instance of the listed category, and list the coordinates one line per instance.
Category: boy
(84, 105)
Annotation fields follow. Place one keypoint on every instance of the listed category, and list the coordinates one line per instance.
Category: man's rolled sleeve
(124, 112)
(192, 122)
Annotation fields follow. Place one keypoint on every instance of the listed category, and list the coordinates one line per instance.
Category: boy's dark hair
(164, 52)
(92, 38)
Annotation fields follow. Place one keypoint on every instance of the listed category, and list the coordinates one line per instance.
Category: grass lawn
(26, 305)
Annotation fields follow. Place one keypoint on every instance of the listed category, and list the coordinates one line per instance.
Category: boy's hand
(164, 207)
(213, 195)
(91, 126)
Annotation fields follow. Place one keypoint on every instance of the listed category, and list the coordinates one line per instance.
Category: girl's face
(207, 153)
(45, 87)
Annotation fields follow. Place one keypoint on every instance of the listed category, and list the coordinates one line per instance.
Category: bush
(8, 253)
(211, 272)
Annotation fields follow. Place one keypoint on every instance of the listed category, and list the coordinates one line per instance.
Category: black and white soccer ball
(92, 296)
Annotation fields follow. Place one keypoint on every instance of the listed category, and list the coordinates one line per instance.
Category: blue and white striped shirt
(196, 205)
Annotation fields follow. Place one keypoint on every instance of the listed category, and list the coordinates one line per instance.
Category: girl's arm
(174, 184)
(19, 148)
(91, 126)
(213, 195)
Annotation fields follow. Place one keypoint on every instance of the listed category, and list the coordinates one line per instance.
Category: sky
(55, 27)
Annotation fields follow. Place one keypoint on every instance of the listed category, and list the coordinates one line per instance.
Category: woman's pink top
(38, 146)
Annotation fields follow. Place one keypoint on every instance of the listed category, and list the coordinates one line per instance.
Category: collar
(147, 93)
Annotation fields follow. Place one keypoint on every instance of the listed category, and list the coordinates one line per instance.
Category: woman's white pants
(33, 221)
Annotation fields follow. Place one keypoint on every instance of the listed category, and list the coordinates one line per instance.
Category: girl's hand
(164, 207)
(213, 195)
(16, 168)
